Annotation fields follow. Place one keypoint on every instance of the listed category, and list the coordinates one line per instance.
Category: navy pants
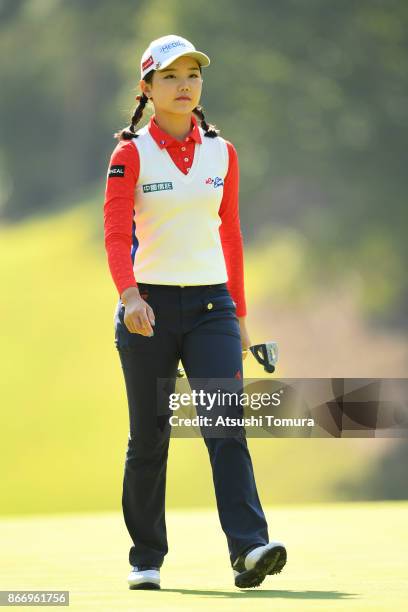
(197, 325)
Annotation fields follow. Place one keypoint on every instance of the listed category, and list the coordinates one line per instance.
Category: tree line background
(313, 94)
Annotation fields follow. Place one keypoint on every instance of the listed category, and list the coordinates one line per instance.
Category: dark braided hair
(129, 132)
(209, 129)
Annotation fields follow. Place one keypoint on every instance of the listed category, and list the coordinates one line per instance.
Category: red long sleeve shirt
(119, 209)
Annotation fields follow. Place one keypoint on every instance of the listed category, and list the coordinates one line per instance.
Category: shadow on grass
(266, 593)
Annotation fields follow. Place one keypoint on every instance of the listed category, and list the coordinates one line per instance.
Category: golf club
(265, 353)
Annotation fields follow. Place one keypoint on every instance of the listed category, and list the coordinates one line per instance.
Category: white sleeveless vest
(176, 223)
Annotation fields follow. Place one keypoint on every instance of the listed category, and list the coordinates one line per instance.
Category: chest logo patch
(157, 186)
(216, 181)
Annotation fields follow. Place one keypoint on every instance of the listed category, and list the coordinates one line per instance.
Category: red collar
(163, 139)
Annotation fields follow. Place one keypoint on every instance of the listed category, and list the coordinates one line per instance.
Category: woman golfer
(174, 247)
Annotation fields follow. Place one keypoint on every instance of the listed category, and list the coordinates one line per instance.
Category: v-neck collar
(163, 139)
(186, 178)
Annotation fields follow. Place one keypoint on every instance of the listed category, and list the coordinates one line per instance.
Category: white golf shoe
(144, 577)
(251, 568)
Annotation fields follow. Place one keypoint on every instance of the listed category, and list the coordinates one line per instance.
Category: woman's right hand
(139, 315)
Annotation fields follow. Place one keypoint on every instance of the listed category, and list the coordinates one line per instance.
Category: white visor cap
(163, 51)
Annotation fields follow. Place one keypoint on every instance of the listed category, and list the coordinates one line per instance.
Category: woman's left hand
(245, 340)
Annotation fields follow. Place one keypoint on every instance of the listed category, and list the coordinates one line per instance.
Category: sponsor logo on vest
(157, 186)
(118, 171)
(217, 181)
(169, 46)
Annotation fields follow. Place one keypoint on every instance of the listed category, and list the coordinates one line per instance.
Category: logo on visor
(147, 63)
(169, 46)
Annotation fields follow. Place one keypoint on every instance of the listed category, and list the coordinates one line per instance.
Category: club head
(266, 354)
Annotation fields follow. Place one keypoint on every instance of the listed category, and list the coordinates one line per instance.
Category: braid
(209, 129)
(129, 132)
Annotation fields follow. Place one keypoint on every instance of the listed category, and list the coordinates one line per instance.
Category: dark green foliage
(313, 95)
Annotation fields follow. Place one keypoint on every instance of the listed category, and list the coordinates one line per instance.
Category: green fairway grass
(345, 557)
(64, 417)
